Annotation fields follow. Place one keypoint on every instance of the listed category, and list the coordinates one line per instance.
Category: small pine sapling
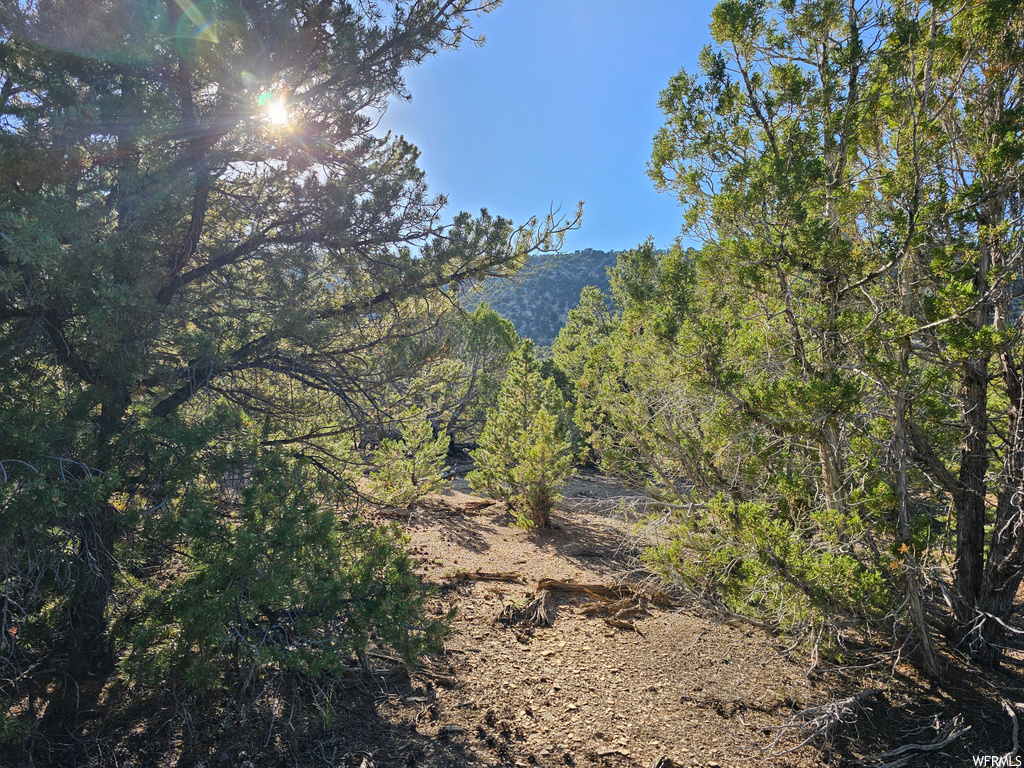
(411, 467)
(522, 457)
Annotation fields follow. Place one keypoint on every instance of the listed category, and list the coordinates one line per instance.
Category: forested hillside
(538, 299)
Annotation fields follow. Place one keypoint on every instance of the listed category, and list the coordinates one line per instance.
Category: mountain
(538, 299)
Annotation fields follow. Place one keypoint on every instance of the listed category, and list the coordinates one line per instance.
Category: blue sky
(560, 105)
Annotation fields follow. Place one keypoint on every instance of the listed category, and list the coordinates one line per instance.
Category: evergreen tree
(210, 268)
(470, 357)
(409, 468)
(522, 457)
(854, 173)
(589, 323)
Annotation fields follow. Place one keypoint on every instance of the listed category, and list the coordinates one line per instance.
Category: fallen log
(514, 578)
(608, 593)
(598, 591)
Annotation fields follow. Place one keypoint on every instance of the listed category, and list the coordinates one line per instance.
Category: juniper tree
(469, 358)
(853, 170)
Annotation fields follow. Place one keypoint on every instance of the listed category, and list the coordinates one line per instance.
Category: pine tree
(522, 457)
(410, 467)
(209, 267)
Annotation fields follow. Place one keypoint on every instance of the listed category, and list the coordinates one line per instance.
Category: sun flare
(277, 112)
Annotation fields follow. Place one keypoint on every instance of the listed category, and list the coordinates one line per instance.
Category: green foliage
(409, 468)
(522, 457)
(763, 562)
(682, 397)
(271, 576)
(538, 470)
(854, 315)
(589, 323)
(459, 384)
(194, 296)
(12, 730)
(263, 562)
(648, 411)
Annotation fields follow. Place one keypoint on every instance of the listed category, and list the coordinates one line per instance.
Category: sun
(277, 112)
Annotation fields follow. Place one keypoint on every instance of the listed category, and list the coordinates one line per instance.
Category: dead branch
(596, 591)
(627, 608)
(514, 578)
(618, 624)
(400, 670)
(541, 612)
(949, 733)
(1016, 731)
(820, 721)
(608, 593)
(619, 605)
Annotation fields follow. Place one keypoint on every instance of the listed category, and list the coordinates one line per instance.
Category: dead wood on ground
(540, 612)
(513, 578)
(619, 605)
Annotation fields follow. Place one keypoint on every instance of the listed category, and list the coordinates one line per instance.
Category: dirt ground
(583, 691)
(674, 685)
(620, 675)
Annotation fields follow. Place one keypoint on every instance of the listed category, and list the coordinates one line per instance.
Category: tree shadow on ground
(577, 540)
(587, 543)
(468, 531)
(578, 534)
(930, 723)
(386, 720)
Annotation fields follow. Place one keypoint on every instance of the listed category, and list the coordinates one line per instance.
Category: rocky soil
(564, 651)
(635, 677)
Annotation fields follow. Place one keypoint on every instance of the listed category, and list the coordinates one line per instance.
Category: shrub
(763, 563)
(270, 576)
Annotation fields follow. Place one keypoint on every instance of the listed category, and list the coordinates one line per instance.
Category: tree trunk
(92, 648)
(986, 634)
(970, 501)
(930, 662)
(985, 637)
(832, 449)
